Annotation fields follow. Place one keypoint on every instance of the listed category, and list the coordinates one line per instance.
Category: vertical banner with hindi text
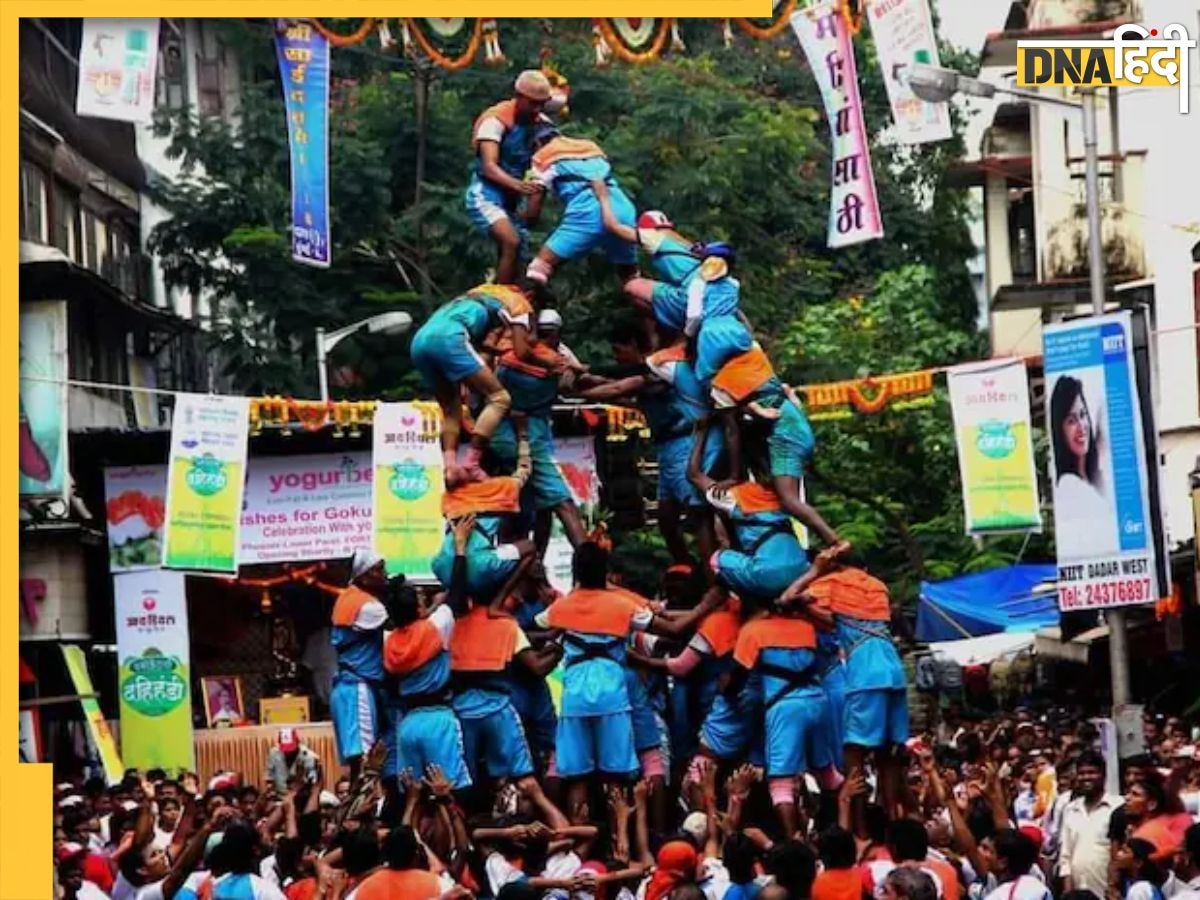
(408, 487)
(853, 204)
(118, 59)
(153, 678)
(303, 56)
(102, 738)
(1102, 524)
(990, 402)
(42, 451)
(903, 34)
(205, 482)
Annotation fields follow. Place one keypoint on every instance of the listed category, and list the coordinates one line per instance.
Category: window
(208, 85)
(171, 86)
(66, 223)
(35, 225)
(88, 256)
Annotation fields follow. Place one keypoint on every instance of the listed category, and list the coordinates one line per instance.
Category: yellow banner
(97, 726)
(408, 487)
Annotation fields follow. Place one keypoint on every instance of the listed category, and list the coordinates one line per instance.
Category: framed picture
(223, 704)
(283, 710)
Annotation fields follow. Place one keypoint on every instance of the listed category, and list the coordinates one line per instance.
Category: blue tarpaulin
(1002, 600)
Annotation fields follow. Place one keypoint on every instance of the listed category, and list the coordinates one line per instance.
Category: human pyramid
(750, 655)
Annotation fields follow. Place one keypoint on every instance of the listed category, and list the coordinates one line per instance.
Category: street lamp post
(384, 323)
(937, 85)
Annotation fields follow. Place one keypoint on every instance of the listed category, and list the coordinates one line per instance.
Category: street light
(937, 85)
(384, 323)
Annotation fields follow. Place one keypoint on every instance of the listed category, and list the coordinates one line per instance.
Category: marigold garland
(776, 27)
(618, 47)
(451, 65)
(342, 40)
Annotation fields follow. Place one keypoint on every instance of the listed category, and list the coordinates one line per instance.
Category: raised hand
(437, 782)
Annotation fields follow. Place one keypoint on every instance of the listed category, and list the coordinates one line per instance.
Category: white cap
(363, 562)
(549, 318)
(328, 798)
(696, 825)
(71, 800)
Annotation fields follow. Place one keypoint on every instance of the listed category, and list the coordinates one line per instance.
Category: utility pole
(1118, 643)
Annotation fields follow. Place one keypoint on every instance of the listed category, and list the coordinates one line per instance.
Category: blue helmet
(719, 249)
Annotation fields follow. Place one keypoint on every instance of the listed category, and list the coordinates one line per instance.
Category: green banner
(206, 482)
(153, 677)
(408, 488)
(106, 745)
(990, 401)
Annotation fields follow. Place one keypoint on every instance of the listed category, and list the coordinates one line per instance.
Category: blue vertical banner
(1103, 528)
(304, 70)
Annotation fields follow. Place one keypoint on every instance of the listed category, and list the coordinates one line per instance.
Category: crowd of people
(743, 733)
(1011, 808)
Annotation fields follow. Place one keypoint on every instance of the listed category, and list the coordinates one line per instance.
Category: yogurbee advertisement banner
(990, 402)
(205, 482)
(408, 487)
(301, 508)
(1102, 524)
(153, 678)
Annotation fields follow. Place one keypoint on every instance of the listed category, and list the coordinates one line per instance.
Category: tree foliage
(732, 143)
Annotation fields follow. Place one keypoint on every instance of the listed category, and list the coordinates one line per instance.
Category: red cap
(289, 741)
(652, 219)
(1032, 832)
(69, 849)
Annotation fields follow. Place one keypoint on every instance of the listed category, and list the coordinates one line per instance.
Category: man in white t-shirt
(151, 875)
(1016, 855)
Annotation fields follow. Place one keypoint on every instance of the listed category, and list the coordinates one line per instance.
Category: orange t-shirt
(838, 884)
(411, 884)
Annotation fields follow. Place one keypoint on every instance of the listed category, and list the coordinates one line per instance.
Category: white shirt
(89, 891)
(1085, 845)
(162, 839)
(1084, 506)
(1027, 887)
(151, 891)
(1191, 891)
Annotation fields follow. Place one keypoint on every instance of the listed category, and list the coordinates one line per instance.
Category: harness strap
(492, 682)
(587, 650)
(409, 702)
(775, 528)
(793, 680)
(865, 634)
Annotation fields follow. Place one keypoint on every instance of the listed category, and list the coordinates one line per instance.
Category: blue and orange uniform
(769, 556)
(531, 694)
(833, 680)
(482, 650)
(646, 702)
(418, 655)
(488, 203)
(687, 403)
(876, 711)
(355, 699)
(748, 380)
(674, 264)
(444, 347)
(567, 167)
(534, 392)
(782, 651)
(490, 562)
(693, 695)
(595, 728)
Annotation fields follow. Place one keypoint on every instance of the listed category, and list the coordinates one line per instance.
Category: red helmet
(652, 219)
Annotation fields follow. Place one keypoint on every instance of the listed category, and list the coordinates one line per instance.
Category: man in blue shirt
(503, 148)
